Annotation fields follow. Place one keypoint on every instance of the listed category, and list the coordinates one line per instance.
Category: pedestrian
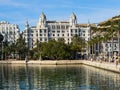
(116, 61)
(91, 59)
(112, 59)
(26, 59)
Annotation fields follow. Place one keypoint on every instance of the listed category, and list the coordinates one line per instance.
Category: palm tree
(21, 47)
(78, 44)
(95, 42)
(119, 41)
(6, 50)
(13, 49)
(113, 30)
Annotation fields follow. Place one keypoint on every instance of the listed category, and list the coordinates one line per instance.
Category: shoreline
(104, 65)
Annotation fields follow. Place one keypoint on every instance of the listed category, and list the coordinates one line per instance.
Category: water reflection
(77, 77)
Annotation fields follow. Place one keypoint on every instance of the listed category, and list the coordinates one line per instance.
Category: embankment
(104, 65)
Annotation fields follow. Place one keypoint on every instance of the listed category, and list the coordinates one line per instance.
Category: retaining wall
(107, 66)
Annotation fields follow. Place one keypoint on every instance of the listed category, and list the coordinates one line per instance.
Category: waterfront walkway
(103, 65)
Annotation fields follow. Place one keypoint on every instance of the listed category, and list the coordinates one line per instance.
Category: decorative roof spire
(88, 23)
(73, 20)
(73, 15)
(27, 24)
(43, 16)
(42, 21)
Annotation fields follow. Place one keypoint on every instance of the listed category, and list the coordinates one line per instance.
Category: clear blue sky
(18, 11)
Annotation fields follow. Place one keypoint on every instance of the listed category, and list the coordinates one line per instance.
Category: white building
(46, 30)
(105, 49)
(9, 31)
(110, 48)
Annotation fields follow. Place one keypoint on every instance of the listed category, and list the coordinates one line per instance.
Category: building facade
(9, 31)
(105, 49)
(46, 30)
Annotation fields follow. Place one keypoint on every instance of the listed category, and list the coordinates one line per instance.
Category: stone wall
(104, 65)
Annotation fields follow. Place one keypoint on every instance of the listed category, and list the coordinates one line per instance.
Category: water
(77, 77)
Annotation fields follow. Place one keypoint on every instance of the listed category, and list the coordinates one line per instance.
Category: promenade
(104, 65)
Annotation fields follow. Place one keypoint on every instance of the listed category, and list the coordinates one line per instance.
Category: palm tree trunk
(119, 46)
(98, 49)
(106, 54)
(112, 47)
(92, 51)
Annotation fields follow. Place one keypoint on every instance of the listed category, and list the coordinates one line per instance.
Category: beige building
(46, 30)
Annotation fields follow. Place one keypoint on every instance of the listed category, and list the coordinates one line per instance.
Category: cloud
(12, 3)
(97, 16)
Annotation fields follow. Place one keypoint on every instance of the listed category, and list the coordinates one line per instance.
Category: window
(53, 34)
(32, 31)
(83, 34)
(44, 31)
(53, 31)
(75, 30)
(79, 30)
(67, 27)
(58, 27)
(110, 44)
(40, 31)
(53, 26)
(63, 31)
(45, 39)
(62, 27)
(58, 31)
(83, 31)
(31, 34)
(40, 39)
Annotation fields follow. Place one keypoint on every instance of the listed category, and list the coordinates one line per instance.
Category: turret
(73, 20)
(42, 21)
(26, 25)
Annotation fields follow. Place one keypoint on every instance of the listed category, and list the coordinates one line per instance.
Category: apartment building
(9, 31)
(46, 30)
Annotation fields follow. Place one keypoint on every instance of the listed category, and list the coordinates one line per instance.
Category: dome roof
(43, 16)
(73, 15)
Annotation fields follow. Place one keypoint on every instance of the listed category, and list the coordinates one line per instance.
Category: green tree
(78, 45)
(21, 47)
(6, 50)
(55, 50)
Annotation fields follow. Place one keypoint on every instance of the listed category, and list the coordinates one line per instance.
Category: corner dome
(43, 16)
(73, 16)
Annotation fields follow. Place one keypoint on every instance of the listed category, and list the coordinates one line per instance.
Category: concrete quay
(44, 62)
(104, 65)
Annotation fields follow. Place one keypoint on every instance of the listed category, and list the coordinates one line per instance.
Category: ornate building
(46, 30)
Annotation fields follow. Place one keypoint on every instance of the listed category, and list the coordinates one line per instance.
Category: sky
(94, 11)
